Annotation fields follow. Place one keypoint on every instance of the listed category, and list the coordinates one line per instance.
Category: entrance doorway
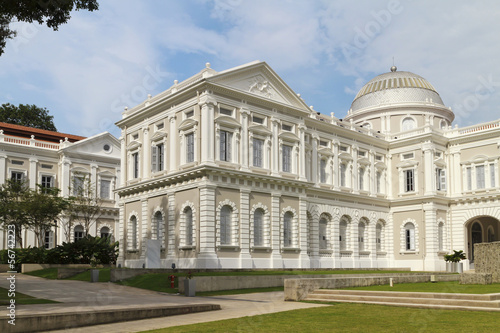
(479, 230)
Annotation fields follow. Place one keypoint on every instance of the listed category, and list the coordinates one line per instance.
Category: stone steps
(486, 302)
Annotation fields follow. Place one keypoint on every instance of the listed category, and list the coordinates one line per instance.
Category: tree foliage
(52, 12)
(27, 115)
(32, 209)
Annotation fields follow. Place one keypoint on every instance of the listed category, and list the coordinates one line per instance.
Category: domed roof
(394, 88)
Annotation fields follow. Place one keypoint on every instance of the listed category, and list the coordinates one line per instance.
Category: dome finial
(393, 68)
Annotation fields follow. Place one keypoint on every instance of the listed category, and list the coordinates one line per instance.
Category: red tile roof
(40, 134)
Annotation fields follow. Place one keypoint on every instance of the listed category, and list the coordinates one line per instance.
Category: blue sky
(100, 62)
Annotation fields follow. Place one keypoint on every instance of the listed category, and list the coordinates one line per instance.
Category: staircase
(474, 302)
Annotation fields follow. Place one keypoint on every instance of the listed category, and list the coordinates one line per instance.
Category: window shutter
(443, 180)
(154, 156)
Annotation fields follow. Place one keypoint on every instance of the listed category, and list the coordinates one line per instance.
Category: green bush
(88, 250)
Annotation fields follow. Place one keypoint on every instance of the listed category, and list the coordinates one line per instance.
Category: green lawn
(51, 273)
(438, 287)
(354, 318)
(21, 298)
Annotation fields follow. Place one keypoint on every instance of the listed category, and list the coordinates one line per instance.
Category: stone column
(277, 261)
(314, 167)
(336, 166)
(314, 237)
(121, 236)
(123, 161)
(146, 154)
(245, 259)
(245, 115)
(171, 256)
(145, 232)
(303, 232)
(355, 171)
(430, 230)
(65, 181)
(302, 152)
(207, 104)
(207, 257)
(429, 172)
(32, 173)
(275, 149)
(173, 145)
(3, 168)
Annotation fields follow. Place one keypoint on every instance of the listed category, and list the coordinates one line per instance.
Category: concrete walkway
(77, 296)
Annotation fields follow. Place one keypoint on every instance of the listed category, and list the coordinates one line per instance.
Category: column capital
(207, 99)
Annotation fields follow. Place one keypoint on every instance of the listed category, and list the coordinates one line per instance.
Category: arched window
(323, 238)
(105, 232)
(188, 216)
(410, 236)
(225, 225)
(343, 235)
(133, 232)
(361, 236)
(157, 228)
(78, 232)
(378, 236)
(440, 236)
(258, 227)
(287, 229)
(408, 124)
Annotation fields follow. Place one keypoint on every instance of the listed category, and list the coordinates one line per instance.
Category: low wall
(298, 289)
(4, 268)
(25, 268)
(487, 259)
(216, 283)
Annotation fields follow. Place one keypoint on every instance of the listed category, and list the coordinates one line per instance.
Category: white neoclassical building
(53, 159)
(233, 169)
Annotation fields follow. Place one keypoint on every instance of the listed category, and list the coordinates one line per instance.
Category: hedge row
(88, 250)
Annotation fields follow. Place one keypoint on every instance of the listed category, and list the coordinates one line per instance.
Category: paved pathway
(81, 296)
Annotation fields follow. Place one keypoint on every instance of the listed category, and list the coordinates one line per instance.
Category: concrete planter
(459, 267)
(94, 275)
(189, 287)
(449, 266)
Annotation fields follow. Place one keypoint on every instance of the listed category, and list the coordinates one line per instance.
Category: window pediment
(345, 156)
(259, 129)
(440, 162)
(134, 145)
(325, 152)
(407, 164)
(227, 121)
(287, 136)
(380, 165)
(364, 161)
(187, 124)
(159, 135)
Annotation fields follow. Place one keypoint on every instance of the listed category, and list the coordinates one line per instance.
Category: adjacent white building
(233, 169)
(53, 159)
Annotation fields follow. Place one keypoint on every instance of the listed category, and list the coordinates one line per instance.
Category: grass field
(21, 298)
(438, 287)
(354, 318)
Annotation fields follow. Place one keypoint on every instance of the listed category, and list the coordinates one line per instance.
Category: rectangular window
(409, 179)
(408, 156)
(441, 179)
(257, 152)
(379, 178)
(361, 179)
(323, 143)
(469, 178)
(344, 148)
(105, 189)
(225, 145)
(47, 181)
(135, 161)
(226, 112)
(322, 168)
(190, 114)
(287, 158)
(285, 127)
(157, 155)
(49, 239)
(17, 176)
(78, 186)
(492, 175)
(480, 177)
(190, 147)
(160, 126)
(258, 120)
(343, 169)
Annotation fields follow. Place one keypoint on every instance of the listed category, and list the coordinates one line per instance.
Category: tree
(42, 208)
(52, 12)
(12, 196)
(27, 115)
(86, 205)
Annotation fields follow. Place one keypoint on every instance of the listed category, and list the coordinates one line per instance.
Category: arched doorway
(476, 237)
(479, 230)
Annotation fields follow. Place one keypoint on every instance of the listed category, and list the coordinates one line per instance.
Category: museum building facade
(233, 169)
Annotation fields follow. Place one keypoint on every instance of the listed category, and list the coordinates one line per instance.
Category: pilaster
(207, 257)
(245, 259)
(207, 104)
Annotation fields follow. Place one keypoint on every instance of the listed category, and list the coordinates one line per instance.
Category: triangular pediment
(104, 144)
(260, 80)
